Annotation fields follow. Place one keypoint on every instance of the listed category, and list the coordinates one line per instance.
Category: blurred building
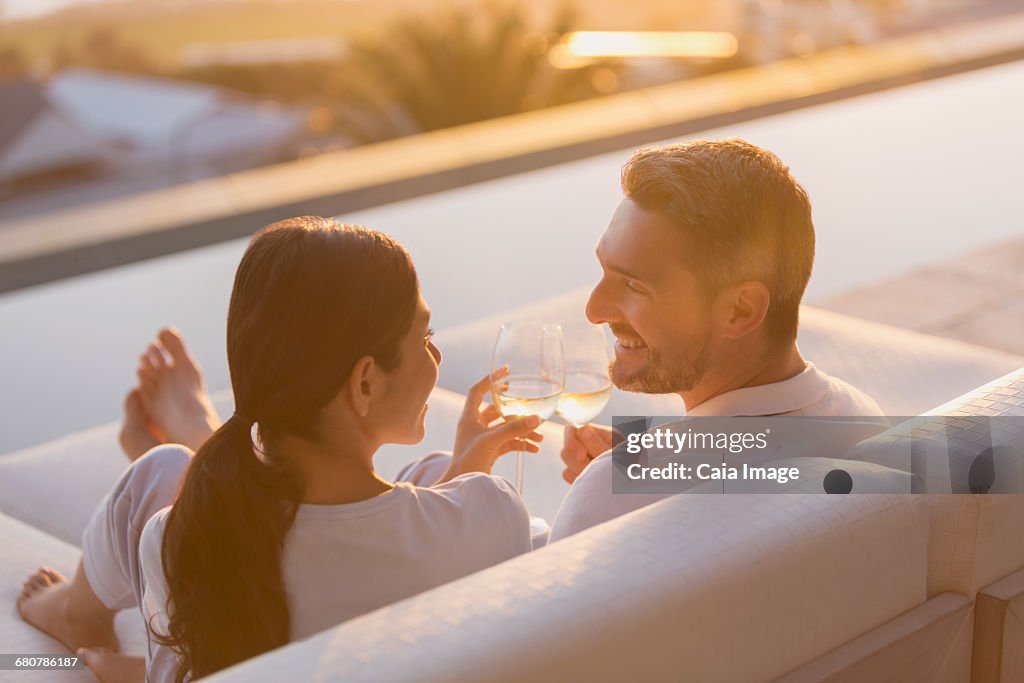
(775, 29)
(36, 138)
(127, 132)
(182, 125)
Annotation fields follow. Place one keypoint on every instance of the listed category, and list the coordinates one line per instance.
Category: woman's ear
(362, 385)
(747, 306)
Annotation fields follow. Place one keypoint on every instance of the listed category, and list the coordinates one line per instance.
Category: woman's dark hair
(311, 297)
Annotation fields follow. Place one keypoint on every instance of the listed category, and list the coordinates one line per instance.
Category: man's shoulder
(845, 400)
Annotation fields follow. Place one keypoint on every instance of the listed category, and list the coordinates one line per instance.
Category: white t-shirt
(590, 500)
(340, 561)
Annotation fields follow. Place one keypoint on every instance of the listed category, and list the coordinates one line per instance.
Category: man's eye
(429, 335)
(633, 288)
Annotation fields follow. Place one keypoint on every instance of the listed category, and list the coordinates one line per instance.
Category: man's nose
(600, 305)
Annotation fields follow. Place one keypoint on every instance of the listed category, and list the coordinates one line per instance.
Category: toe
(174, 343)
(133, 403)
(53, 574)
(156, 358)
(148, 377)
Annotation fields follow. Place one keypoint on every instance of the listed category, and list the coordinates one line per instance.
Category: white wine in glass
(525, 395)
(533, 353)
(587, 385)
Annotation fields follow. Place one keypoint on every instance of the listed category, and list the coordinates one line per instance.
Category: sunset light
(511, 341)
(582, 47)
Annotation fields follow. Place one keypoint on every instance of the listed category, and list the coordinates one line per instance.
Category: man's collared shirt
(811, 393)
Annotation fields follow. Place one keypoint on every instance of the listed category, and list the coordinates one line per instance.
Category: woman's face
(410, 383)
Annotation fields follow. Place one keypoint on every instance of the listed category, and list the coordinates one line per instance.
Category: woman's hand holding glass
(533, 354)
(482, 437)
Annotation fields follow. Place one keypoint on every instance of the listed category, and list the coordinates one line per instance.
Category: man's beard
(659, 376)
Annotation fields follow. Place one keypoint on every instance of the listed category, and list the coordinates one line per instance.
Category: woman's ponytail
(233, 512)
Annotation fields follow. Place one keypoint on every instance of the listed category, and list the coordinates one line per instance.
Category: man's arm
(588, 500)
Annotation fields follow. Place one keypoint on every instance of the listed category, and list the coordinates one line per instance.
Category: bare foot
(138, 433)
(173, 392)
(111, 667)
(43, 602)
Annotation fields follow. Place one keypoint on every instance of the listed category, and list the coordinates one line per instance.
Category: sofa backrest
(702, 588)
(974, 539)
(55, 486)
(26, 548)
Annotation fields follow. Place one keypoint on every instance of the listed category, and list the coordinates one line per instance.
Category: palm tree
(429, 73)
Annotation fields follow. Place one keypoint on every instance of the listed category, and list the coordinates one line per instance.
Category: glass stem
(519, 472)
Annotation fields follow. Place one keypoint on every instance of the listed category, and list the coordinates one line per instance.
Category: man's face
(652, 303)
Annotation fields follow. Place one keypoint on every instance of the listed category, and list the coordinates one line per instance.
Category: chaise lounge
(707, 588)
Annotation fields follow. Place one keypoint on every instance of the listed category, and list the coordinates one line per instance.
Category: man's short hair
(743, 215)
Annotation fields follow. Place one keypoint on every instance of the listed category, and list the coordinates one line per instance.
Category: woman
(281, 526)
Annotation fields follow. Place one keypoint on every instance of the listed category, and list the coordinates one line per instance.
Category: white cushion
(701, 588)
(930, 643)
(906, 372)
(25, 550)
(1002, 397)
(867, 478)
(975, 539)
(55, 486)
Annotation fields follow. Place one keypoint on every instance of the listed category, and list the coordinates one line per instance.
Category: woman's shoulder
(474, 486)
(480, 500)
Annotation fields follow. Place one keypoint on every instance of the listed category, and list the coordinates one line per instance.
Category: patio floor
(976, 298)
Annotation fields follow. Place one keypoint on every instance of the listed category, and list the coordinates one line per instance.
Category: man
(704, 264)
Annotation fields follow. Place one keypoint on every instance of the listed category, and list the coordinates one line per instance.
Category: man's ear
(745, 307)
(362, 385)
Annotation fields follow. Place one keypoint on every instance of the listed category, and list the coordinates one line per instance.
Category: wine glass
(587, 385)
(535, 358)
